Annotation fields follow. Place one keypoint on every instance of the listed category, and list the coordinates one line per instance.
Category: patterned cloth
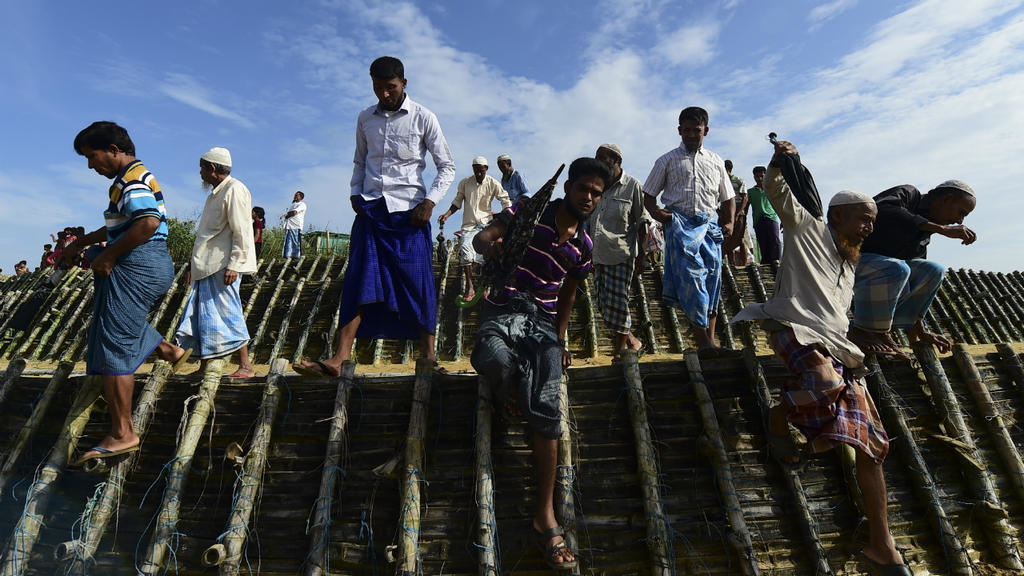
(213, 324)
(655, 238)
(390, 274)
(120, 338)
(613, 295)
(693, 266)
(517, 344)
(827, 408)
(467, 254)
(292, 247)
(134, 194)
(889, 292)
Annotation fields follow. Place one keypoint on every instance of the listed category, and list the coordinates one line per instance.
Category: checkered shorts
(613, 294)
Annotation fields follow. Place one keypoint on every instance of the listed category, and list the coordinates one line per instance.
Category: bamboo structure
(993, 419)
(1008, 304)
(81, 307)
(56, 314)
(760, 294)
(18, 297)
(26, 532)
(440, 299)
(1013, 365)
(17, 346)
(659, 534)
(565, 479)
(172, 327)
(161, 310)
(331, 478)
(739, 536)
(646, 322)
(984, 315)
(804, 519)
(948, 323)
(152, 561)
(457, 353)
(1001, 537)
(268, 312)
(958, 562)
(227, 553)
(333, 326)
(60, 375)
(998, 316)
(487, 522)
(673, 319)
(591, 319)
(282, 329)
(324, 283)
(966, 331)
(78, 554)
(11, 374)
(408, 560)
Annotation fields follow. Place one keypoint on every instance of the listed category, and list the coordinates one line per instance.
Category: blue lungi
(120, 338)
(214, 323)
(892, 293)
(693, 266)
(292, 247)
(390, 274)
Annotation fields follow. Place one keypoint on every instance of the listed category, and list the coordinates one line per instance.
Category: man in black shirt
(895, 284)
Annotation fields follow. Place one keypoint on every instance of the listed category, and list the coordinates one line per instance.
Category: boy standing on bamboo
(521, 348)
(806, 324)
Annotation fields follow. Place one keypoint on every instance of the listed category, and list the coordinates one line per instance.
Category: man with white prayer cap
(806, 323)
(896, 283)
(213, 324)
(479, 192)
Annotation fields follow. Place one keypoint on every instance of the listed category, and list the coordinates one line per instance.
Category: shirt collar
(220, 186)
(405, 106)
(120, 175)
(682, 146)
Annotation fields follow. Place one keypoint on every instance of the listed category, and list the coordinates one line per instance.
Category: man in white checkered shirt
(698, 215)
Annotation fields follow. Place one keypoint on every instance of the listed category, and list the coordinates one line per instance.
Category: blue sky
(873, 93)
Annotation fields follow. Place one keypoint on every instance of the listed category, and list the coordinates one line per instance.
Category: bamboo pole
(457, 354)
(19, 298)
(804, 518)
(266, 314)
(760, 294)
(673, 319)
(564, 500)
(11, 375)
(1013, 365)
(588, 302)
(739, 536)
(993, 419)
(487, 522)
(331, 478)
(1009, 302)
(32, 424)
(659, 535)
(646, 322)
(44, 316)
(263, 281)
(408, 560)
(725, 327)
(80, 308)
(293, 305)
(333, 327)
(979, 320)
(78, 554)
(26, 532)
(948, 323)
(966, 332)
(227, 553)
(984, 311)
(848, 461)
(55, 322)
(958, 562)
(172, 327)
(440, 299)
(729, 282)
(177, 472)
(1004, 316)
(1001, 537)
(165, 303)
(324, 283)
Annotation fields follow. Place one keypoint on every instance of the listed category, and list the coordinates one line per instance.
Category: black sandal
(553, 552)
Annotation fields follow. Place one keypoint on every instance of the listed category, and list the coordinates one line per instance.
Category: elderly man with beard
(806, 323)
(521, 345)
(213, 324)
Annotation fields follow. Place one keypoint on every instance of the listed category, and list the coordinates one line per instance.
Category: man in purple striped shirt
(521, 347)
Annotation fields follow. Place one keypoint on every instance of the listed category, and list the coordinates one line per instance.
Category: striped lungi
(213, 324)
(120, 338)
(822, 404)
(613, 294)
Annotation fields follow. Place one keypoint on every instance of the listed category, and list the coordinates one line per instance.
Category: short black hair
(300, 193)
(759, 170)
(587, 166)
(694, 113)
(100, 135)
(728, 165)
(260, 212)
(386, 68)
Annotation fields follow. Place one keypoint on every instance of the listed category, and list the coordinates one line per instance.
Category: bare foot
(919, 334)
(877, 342)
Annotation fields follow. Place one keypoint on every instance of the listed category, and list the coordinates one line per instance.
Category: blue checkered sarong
(613, 294)
(693, 266)
(214, 323)
(292, 247)
(120, 338)
(889, 292)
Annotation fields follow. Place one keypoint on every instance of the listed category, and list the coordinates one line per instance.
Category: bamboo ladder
(565, 479)
(408, 558)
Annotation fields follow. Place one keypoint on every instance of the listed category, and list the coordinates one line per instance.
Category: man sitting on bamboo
(521, 346)
(214, 323)
(895, 282)
(806, 323)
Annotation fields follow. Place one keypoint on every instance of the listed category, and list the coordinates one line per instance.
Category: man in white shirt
(479, 192)
(213, 324)
(696, 186)
(806, 323)
(294, 220)
(389, 285)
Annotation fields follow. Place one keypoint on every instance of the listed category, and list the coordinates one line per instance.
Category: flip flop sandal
(886, 569)
(101, 452)
(323, 372)
(180, 362)
(551, 553)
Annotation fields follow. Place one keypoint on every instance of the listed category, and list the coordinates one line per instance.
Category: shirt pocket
(616, 217)
(407, 147)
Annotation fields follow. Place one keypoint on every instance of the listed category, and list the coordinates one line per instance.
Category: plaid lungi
(213, 324)
(613, 294)
(292, 247)
(822, 404)
(693, 266)
(889, 292)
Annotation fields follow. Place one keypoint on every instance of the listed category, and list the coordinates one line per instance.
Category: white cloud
(827, 11)
(191, 92)
(689, 46)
